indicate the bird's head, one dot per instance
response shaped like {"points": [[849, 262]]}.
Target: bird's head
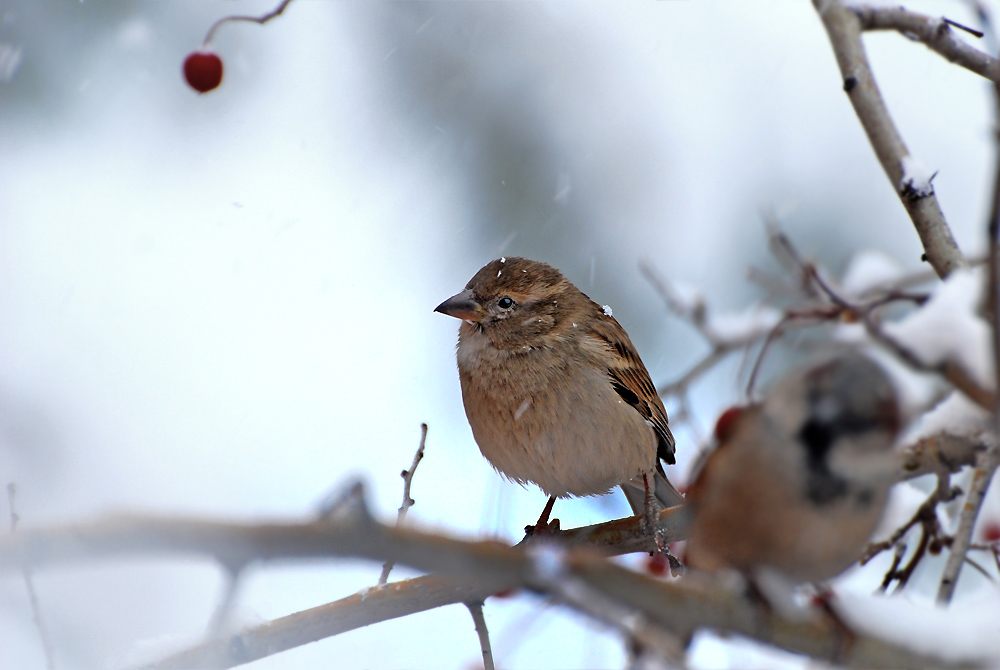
{"points": [[516, 302]]}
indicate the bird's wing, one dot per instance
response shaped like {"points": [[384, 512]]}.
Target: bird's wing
{"points": [[629, 378]]}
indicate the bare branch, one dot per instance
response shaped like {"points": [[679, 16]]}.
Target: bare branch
{"points": [[407, 476], [934, 32], [29, 585], [379, 603], [843, 27], [681, 606], [476, 610]]}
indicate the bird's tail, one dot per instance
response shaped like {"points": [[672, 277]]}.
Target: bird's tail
{"points": [[664, 492]]}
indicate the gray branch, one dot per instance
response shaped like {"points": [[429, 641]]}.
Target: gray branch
{"points": [[843, 26]]}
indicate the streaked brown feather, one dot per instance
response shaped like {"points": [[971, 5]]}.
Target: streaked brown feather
{"points": [[632, 382]]}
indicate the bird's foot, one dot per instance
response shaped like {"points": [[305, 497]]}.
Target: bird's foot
{"points": [[549, 528], [543, 526]]}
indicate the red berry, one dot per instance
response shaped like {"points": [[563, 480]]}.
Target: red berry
{"points": [[724, 424], [657, 564], [203, 70], [991, 531]]}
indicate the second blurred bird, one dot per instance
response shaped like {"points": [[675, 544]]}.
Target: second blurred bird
{"points": [[554, 390], [799, 482]]}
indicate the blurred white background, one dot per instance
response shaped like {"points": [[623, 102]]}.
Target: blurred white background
{"points": [[220, 304]]}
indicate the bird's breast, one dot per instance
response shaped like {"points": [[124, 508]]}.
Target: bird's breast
{"points": [[550, 417]]}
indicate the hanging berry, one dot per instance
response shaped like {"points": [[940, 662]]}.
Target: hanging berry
{"points": [[203, 70]]}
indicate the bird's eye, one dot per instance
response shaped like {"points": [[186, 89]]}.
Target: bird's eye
{"points": [[505, 303]]}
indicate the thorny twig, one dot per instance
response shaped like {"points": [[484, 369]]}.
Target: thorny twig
{"points": [[476, 610], [29, 584], [407, 476], [351, 531]]}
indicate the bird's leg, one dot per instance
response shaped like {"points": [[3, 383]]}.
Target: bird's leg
{"points": [[543, 525], [844, 635], [650, 507], [759, 602]]}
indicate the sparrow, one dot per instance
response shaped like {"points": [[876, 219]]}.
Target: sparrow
{"points": [[555, 391], [799, 481]]}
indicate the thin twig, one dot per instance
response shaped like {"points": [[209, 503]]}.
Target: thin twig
{"points": [[981, 478], [408, 502], [476, 610], [697, 315], [29, 584], [930, 536], [843, 26], [253, 19], [220, 618], [978, 568]]}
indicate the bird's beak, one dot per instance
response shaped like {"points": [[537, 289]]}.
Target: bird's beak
{"points": [[462, 306]]}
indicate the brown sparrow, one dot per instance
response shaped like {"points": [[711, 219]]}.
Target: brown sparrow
{"points": [[554, 390], [799, 481]]}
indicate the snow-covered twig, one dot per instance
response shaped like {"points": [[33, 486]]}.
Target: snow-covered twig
{"points": [[29, 584], [865, 312], [930, 536], [722, 342], [476, 610], [932, 31], [941, 453], [843, 26], [407, 476]]}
